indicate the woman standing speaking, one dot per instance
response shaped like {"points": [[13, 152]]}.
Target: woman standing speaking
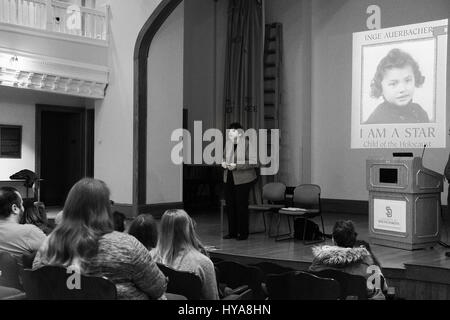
{"points": [[239, 177]]}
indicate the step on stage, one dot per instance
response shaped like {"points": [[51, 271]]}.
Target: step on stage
{"points": [[421, 274]]}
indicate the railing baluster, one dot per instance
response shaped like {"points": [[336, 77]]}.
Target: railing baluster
{"points": [[41, 14]]}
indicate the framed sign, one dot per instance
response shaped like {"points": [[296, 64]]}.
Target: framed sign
{"points": [[10, 142], [389, 215]]}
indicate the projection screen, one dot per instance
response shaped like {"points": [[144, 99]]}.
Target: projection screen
{"points": [[399, 87]]}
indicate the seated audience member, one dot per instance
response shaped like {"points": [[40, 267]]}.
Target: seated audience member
{"points": [[35, 214], [119, 221], [344, 256], [15, 238], [179, 248], [145, 229], [85, 239]]}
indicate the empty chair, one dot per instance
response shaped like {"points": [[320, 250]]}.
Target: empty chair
{"points": [[183, 283], [273, 198], [51, 283], [307, 205], [300, 285], [351, 285], [9, 271], [234, 275]]}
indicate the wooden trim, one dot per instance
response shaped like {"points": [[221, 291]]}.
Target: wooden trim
{"points": [[141, 50], [157, 210], [126, 209], [352, 206]]}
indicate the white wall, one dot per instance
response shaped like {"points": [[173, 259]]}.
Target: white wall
{"points": [[165, 110], [204, 61], [17, 107], [114, 114], [69, 50], [294, 15]]}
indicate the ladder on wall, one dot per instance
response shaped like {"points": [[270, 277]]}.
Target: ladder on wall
{"points": [[272, 79]]}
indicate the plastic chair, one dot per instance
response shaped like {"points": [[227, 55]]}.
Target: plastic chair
{"points": [[300, 285], [239, 278], [351, 285], [273, 198], [183, 283], [50, 283], [306, 200], [9, 271]]}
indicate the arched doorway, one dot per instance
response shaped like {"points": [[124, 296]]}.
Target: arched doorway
{"points": [[140, 104]]}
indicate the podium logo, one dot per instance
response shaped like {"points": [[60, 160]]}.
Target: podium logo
{"points": [[389, 212]]}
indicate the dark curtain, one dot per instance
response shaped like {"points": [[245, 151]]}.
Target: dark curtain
{"points": [[244, 64], [244, 74]]}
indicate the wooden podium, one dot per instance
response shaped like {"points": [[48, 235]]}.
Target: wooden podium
{"points": [[404, 203]]}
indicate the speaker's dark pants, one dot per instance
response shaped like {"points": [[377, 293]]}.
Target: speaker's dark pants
{"points": [[236, 197]]}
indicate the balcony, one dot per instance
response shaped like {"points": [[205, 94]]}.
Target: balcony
{"points": [[56, 19]]}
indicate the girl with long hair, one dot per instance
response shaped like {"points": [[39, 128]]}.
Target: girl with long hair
{"points": [[180, 248], [86, 239]]}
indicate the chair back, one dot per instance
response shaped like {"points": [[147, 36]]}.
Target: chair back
{"points": [[53, 283], [307, 286], [184, 283], [234, 275], [351, 285], [272, 268], [278, 285], [9, 271], [307, 196], [298, 285], [28, 259], [274, 192]]}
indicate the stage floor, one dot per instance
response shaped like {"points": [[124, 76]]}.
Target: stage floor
{"points": [[291, 252]]}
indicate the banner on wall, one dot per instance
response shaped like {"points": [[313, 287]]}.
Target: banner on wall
{"points": [[399, 87]]}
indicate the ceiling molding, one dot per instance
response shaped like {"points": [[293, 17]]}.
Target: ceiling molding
{"points": [[43, 73]]}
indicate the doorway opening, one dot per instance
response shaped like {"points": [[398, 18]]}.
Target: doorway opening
{"points": [[64, 150]]}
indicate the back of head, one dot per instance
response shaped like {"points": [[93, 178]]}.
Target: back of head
{"points": [[87, 217], [235, 126], [31, 214], [8, 197], [119, 221], [344, 234], [177, 233], [145, 229]]}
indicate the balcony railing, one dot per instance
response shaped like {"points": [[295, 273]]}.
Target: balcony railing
{"points": [[56, 16]]}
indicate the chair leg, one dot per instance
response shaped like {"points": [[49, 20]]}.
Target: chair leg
{"points": [[304, 229], [282, 237], [323, 227], [289, 224], [264, 221]]}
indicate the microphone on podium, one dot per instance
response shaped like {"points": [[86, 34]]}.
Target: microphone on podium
{"points": [[423, 152]]}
